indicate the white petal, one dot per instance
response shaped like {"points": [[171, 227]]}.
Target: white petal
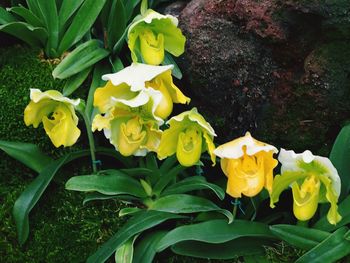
{"points": [[234, 149], [136, 75], [37, 95]]}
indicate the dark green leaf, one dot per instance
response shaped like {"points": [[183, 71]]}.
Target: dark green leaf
{"points": [[330, 250], [137, 172], [81, 24], [129, 8], [67, 9], [194, 183], [301, 237], [169, 60], [6, 17], [34, 8], [30, 196], [27, 153], [183, 203], [340, 157], [344, 211], [74, 82], [116, 23], [108, 183], [215, 232], [94, 196], [166, 178], [48, 9], [34, 36], [27, 15], [117, 65], [146, 249], [125, 252], [81, 58], [140, 222], [244, 246], [129, 211]]}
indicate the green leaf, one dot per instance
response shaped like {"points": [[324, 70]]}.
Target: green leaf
{"points": [[194, 183], [34, 36], [30, 196], [27, 153], [48, 9], [340, 157], [129, 7], [6, 17], [27, 15], [344, 211], [116, 23], [68, 8], [129, 211], [81, 58], [125, 252], [244, 246], [96, 196], [119, 44], [168, 164], [137, 172], [117, 65], [74, 82], [144, 7], [331, 249], [140, 222], [215, 232], [169, 60], [183, 203], [34, 8], [146, 249], [81, 24], [166, 178], [301, 237], [111, 182]]}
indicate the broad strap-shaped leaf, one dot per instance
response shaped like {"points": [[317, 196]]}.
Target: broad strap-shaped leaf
{"points": [[215, 232], [34, 36], [340, 156], [335, 247], [27, 15], [6, 17], [244, 246], [129, 211], [74, 82], [30, 196], [194, 183], [125, 252], [116, 23], [111, 182], [129, 7], [301, 237], [96, 196], [81, 24], [67, 9], [27, 153], [81, 58], [34, 8], [169, 60], [183, 203], [166, 178], [146, 249], [48, 9], [140, 222], [344, 211], [137, 172]]}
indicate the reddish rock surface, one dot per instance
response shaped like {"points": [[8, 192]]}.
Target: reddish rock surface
{"points": [[280, 70]]}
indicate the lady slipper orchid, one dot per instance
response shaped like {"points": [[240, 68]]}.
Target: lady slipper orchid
{"points": [[152, 34], [188, 136], [57, 114], [132, 129], [248, 164], [313, 180], [131, 86]]}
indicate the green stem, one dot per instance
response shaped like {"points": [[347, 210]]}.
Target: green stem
{"points": [[303, 223], [87, 121], [234, 212]]}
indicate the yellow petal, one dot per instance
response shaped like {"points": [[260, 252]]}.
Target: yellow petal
{"points": [[34, 112], [153, 138], [103, 97], [152, 47], [169, 139], [189, 147], [165, 106], [305, 198], [210, 146], [61, 128], [101, 122]]}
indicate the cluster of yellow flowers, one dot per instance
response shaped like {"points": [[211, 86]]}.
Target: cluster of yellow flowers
{"points": [[136, 102]]}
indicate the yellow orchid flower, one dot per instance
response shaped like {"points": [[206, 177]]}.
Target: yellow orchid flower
{"points": [[248, 164], [188, 136], [150, 35], [57, 114], [313, 180], [130, 87], [132, 130]]}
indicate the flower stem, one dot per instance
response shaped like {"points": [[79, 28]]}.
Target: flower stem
{"points": [[235, 205], [303, 223]]}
